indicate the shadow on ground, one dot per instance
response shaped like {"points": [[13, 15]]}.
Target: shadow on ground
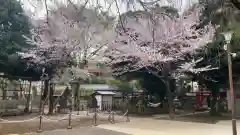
{"points": [[198, 118]]}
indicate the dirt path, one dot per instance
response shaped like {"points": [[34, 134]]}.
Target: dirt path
{"points": [[149, 126], [30, 123]]}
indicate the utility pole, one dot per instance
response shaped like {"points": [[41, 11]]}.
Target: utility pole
{"points": [[233, 97], [228, 37]]}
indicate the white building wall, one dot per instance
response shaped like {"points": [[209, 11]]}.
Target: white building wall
{"points": [[99, 101]]}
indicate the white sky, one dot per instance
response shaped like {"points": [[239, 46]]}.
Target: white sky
{"points": [[36, 6]]}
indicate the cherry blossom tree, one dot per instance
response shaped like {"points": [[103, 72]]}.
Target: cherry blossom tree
{"points": [[63, 35], [159, 39], [154, 41], [68, 34]]}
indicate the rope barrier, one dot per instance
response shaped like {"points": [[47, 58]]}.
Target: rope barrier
{"points": [[76, 114], [65, 117], [79, 115], [55, 120], [111, 116], [44, 117], [112, 112], [19, 121], [125, 113], [154, 104], [89, 114]]}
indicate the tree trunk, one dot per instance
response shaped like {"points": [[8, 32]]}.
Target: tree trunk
{"points": [[166, 71], [3, 90], [170, 99], [76, 96], [48, 95], [51, 99], [45, 90], [236, 3], [82, 66], [215, 111], [4, 94], [29, 98]]}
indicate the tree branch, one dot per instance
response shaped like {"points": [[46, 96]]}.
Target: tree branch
{"points": [[236, 3]]}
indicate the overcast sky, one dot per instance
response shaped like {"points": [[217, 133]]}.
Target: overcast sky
{"points": [[38, 10]]}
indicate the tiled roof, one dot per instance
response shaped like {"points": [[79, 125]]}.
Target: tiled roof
{"points": [[98, 87], [105, 93]]}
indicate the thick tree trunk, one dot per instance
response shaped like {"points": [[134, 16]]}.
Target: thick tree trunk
{"points": [[4, 94], [3, 90], [166, 71], [29, 98], [82, 65], [76, 96], [48, 95], [215, 111], [51, 99], [45, 90], [170, 98], [44, 95]]}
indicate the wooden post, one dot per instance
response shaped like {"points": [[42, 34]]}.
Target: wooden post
{"points": [[29, 97], [40, 110], [70, 112], [113, 118], [127, 115], [95, 118]]}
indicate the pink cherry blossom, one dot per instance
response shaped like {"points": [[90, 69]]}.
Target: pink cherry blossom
{"points": [[154, 38], [68, 33]]}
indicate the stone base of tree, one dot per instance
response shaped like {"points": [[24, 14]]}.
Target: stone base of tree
{"points": [[149, 110]]}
